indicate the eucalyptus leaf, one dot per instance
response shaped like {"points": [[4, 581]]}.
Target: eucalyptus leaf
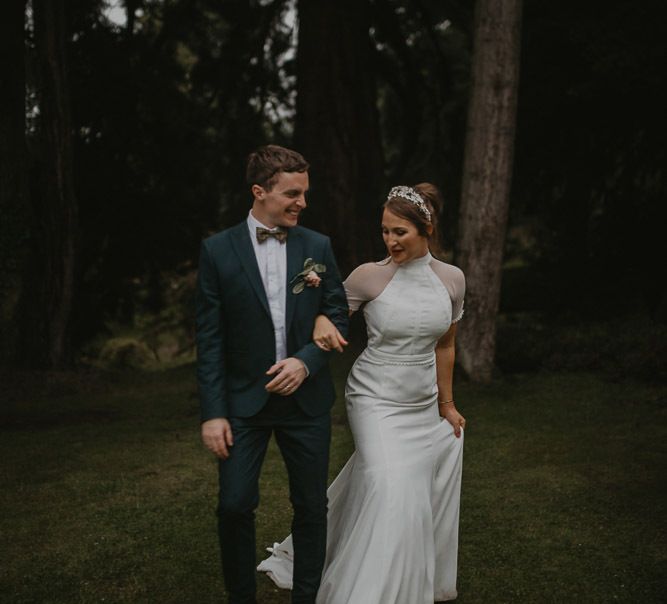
{"points": [[299, 280]]}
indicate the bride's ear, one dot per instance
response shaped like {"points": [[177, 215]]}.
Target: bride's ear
{"points": [[429, 229]]}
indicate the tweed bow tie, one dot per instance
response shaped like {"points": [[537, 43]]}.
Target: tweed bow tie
{"points": [[263, 234]]}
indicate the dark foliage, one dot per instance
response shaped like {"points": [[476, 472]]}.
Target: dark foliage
{"points": [[165, 108], [589, 174]]}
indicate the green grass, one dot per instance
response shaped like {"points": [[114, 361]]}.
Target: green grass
{"points": [[108, 496]]}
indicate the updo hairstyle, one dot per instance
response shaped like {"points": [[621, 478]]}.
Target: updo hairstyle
{"points": [[409, 211]]}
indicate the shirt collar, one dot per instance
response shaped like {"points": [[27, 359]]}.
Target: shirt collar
{"points": [[253, 224]]}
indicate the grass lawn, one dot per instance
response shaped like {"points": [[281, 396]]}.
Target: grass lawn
{"points": [[108, 496]]}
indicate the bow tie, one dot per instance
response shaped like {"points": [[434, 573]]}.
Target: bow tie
{"points": [[263, 234]]}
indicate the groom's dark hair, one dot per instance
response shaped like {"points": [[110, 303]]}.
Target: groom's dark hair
{"points": [[264, 164]]}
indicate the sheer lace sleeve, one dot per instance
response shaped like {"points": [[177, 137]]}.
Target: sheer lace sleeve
{"points": [[367, 281], [453, 279]]}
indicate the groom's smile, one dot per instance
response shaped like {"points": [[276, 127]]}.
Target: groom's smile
{"points": [[281, 205]]}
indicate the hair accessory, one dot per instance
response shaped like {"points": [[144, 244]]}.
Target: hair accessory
{"points": [[412, 196]]}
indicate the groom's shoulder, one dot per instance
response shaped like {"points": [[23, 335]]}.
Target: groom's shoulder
{"points": [[223, 237]]}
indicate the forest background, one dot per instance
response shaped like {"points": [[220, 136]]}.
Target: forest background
{"points": [[124, 128], [114, 168]]}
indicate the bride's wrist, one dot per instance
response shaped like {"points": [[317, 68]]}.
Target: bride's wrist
{"points": [[447, 402]]}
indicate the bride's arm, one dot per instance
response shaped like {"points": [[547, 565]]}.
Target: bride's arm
{"points": [[444, 361], [360, 287], [326, 335]]}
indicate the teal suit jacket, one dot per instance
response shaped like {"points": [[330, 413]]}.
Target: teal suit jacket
{"points": [[235, 336]]}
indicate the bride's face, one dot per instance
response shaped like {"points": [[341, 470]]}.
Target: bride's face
{"points": [[403, 241]]}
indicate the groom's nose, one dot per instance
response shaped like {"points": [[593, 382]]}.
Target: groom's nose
{"points": [[301, 201]]}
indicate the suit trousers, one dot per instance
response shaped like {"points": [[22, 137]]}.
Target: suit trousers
{"points": [[304, 444]]}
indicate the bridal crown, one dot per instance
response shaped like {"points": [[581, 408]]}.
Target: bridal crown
{"points": [[412, 196]]}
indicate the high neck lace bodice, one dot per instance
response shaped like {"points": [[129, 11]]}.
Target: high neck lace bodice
{"points": [[369, 280], [408, 305], [420, 261]]}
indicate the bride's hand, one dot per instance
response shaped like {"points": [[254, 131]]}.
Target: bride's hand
{"points": [[449, 412], [326, 336]]}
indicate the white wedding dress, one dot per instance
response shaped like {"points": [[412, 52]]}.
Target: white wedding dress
{"points": [[392, 534]]}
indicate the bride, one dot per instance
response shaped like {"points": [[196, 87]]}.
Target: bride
{"points": [[393, 518]]}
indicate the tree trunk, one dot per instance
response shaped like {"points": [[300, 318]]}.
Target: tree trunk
{"points": [[131, 7], [13, 170], [51, 276], [487, 175], [337, 126]]}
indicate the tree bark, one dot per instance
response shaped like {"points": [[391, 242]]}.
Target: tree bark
{"points": [[48, 297], [337, 126], [131, 7], [13, 169], [487, 175]]}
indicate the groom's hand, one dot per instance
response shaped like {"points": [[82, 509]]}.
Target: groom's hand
{"points": [[217, 436], [289, 373]]}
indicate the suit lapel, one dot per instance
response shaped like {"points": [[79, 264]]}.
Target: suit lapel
{"points": [[244, 250], [294, 265]]}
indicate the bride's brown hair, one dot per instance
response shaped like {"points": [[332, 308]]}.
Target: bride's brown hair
{"points": [[409, 211]]}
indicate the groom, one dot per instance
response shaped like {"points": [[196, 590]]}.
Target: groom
{"points": [[259, 371]]}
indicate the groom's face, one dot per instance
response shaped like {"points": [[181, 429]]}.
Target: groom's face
{"points": [[282, 204]]}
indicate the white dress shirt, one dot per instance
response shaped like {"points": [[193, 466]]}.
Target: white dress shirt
{"points": [[271, 258]]}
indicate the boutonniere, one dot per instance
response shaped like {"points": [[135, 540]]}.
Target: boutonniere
{"points": [[308, 277]]}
